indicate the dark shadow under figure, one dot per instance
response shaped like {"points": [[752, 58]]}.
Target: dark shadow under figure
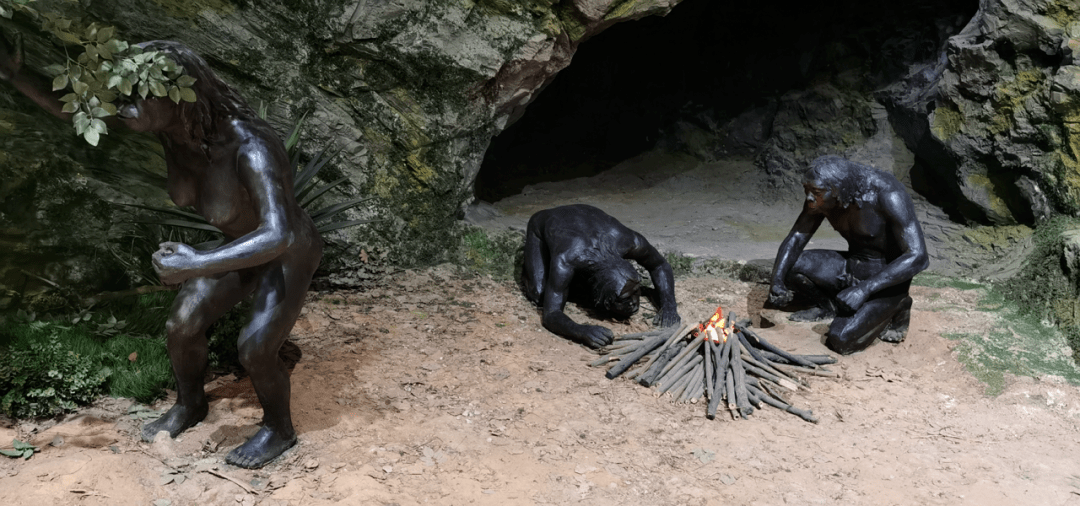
{"points": [[579, 248], [863, 290], [232, 168]]}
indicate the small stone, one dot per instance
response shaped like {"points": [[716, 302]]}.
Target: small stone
{"points": [[311, 464]]}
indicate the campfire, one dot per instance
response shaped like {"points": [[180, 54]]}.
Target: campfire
{"points": [[719, 360]]}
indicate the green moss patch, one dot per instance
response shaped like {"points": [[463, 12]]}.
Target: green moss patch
{"points": [[1021, 344], [1046, 287]]}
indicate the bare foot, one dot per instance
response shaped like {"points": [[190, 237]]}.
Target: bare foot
{"points": [[263, 447], [176, 420], [893, 336]]}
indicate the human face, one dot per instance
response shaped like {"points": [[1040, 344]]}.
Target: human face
{"points": [[154, 114], [819, 199]]}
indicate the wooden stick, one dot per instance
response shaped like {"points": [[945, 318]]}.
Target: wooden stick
{"points": [[804, 414], [674, 378], [709, 363], [603, 360], [813, 359], [773, 389], [666, 353], [787, 368], [690, 347], [630, 359], [241, 484], [730, 381], [644, 365], [640, 335], [761, 343], [741, 403], [756, 371], [721, 370], [694, 375], [766, 365]]}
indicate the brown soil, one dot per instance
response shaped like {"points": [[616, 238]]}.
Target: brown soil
{"points": [[442, 388]]}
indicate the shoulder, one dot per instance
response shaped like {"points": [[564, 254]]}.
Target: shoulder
{"points": [[255, 143]]}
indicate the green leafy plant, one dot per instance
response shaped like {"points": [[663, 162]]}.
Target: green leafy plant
{"points": [[22, 450], [41, 376], [52, 366], [108, 71]]}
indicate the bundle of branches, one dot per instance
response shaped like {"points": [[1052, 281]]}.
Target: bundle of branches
{"points": [[719, 360]]}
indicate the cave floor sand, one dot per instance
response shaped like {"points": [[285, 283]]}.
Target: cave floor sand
{"points": [[441, 387]]}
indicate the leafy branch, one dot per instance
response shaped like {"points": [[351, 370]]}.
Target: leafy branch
{"points": [[108, 71]]}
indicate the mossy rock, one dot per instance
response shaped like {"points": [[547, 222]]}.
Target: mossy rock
{"points": [[1048, 286]]}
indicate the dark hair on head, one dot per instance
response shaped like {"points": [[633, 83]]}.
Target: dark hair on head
{"points": [[606, 283], [846, 177], [214, 99]]}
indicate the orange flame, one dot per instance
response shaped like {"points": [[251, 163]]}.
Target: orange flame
{"points": [[717, 324]]}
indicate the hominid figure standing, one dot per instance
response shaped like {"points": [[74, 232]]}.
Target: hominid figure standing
{"points": [[232, 168]]}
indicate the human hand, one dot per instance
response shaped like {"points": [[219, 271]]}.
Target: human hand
{"points": [[595, 336], [174, 262], [780, 296], [667, 317], [11, 56], [851, 299]]}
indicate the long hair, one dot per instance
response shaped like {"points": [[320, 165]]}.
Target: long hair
{"points": [[850, 180], [214, 99]]}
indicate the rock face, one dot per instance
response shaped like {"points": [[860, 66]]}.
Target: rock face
{"points": [[1002, 138], [411, 90]]}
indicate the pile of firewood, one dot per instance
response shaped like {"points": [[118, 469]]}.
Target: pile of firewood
{"points": [[719, 360]]}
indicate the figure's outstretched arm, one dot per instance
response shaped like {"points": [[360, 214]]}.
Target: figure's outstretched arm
{"points": [[255, 165], [557, 285], [30, 84], [662, 277], [805, 225], [898, 212]]}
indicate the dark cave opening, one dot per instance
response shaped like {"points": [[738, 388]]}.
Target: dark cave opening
{"points": [[625, 85]]}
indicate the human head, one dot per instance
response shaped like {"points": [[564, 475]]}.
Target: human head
{"points": [[214, 99], [837, 177], [616, 289]]}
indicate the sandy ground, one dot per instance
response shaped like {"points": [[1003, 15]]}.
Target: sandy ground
{"points": [[442, 388]]}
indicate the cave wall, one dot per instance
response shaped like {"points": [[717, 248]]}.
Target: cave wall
{"points": [[414, 90], [411, 90], [994, 119]]}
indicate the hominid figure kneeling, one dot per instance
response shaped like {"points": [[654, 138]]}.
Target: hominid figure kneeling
{"points": [[864, 289]]}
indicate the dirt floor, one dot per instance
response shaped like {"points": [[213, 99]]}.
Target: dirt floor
{"points": [[441, 387]]}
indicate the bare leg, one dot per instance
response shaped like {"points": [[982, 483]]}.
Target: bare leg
{"points": [[817, 277], [848, 334], [278, 300], [201, 301]]}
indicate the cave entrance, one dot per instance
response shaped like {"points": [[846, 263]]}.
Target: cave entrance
{"points": [[706, 61]]}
